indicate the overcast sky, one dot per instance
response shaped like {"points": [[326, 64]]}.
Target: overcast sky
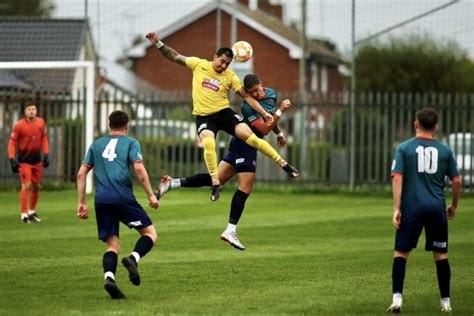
{"points": [[116, 22]]}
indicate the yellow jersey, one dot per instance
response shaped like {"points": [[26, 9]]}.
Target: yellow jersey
{"points": [[210, 88]]}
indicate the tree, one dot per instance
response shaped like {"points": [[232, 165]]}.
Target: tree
{"points": [[41, 8], [414, 64]]}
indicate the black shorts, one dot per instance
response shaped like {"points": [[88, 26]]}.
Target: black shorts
{"points": [[109, 216], [225, 120], [436, 230], [242, 156]]}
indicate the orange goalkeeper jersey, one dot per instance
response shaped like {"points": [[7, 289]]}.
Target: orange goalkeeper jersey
{"points": [[31, 138]]}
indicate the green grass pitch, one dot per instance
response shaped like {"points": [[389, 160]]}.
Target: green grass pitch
{"points": [[327, 254]]}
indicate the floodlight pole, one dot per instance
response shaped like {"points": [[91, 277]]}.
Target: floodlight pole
{"points": [[303, 94], [233, 24], [218, 24], [353, 105], [90, 79]]}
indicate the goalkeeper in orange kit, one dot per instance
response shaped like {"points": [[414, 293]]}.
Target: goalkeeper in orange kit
{"points": [[28, 153]]}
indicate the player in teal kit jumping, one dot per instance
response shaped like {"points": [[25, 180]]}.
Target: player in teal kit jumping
{"points": [[110, 157], [241, 159], [419, 169]]}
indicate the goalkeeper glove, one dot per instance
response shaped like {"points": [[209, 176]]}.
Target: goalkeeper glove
{"points": [[45, 161], [15, 166]]}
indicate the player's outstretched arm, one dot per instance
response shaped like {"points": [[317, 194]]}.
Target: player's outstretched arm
{"points": [[166, 51], [255, 105], [456, 195], [265, 128], [82, 211], [397, 182], [142, 175], [281, 140]]}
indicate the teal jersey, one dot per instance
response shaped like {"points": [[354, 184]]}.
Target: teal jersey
{"points": [[111, 158], [269, 104], [424, 164]]}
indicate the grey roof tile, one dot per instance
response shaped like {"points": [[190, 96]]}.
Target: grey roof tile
{"points": [[37, 39]]}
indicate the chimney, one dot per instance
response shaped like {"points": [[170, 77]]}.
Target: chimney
{"points": [[275, 10], [253, 5]]}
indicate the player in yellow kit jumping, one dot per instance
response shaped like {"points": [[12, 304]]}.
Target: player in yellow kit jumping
{"points": [[212, 81]]}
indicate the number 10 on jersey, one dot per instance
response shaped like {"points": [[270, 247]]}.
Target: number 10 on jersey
{"points": [[427, 159]]}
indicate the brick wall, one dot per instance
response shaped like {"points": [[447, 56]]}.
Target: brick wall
{"points": [[271, 60]]}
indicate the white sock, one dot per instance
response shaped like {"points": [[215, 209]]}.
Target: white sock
{"points": [[30, 212], [397, 297], [446, 300], [109, 274], [175, 183], [136, 256], [231, 228], [24, 215]]}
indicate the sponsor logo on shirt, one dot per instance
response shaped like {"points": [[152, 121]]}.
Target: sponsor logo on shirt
{"points": [[212, 84]]}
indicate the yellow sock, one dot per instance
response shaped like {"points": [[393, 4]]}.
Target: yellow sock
{"points": [[263, 147], [210, 156]]}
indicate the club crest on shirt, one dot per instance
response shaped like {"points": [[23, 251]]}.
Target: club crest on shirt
{"points": [[212, 84]]}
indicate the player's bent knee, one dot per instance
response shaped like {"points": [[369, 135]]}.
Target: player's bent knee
{"points": [[243, 131], [26, 186], [246, 189], [150, 231], [209, 143]]}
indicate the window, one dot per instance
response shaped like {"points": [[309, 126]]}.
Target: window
{"points": [[324, 78], [314, 76]]}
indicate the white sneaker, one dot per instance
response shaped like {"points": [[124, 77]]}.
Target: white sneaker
{"points": [[232, 239], [33, 216], [164, 187], [446, 305], [396, 306], [25, 219]]}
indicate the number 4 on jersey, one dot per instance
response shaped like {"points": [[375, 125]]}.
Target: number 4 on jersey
{"points": [[109, 151]]}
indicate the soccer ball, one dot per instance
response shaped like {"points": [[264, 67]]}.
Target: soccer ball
{"points": [[243, 51]]}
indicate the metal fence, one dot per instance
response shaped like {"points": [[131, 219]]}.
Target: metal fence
{"points": [[166, 130]]}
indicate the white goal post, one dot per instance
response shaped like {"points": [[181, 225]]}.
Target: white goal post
{"points": [[89, 67]]}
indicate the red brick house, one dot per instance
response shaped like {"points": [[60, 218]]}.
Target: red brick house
{"points": [[276, 49]]}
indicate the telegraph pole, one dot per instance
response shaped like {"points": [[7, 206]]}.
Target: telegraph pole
{"points": [[303, 95], [352, 107]]}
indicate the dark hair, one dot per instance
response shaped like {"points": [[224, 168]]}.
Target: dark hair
{"points": [[27, 104], [428, 118], [118, 119], [251, 80], [225, 51]]}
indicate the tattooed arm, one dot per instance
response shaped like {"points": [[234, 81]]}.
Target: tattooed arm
{"points": [[166, 51]]}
